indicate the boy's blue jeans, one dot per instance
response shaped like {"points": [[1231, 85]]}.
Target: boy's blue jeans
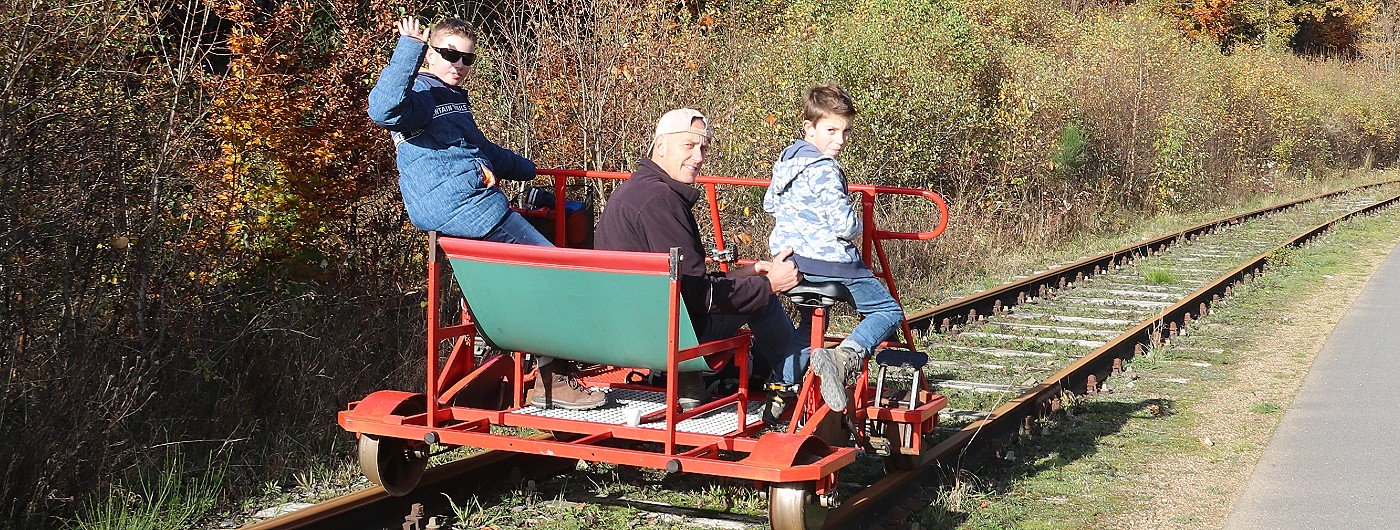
{"points": [[515, 229], [775, 340], [882, 313]]}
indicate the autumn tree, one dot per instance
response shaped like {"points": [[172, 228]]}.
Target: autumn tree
{"points": [[297, 155], [1305, 26]]}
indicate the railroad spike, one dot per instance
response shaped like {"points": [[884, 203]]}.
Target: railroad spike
{"points": [[1138, 350], [1091, 385], [1205, 310], [1117, 365], [1172, 330], [947, 325], [415, 515], [996, 307]]}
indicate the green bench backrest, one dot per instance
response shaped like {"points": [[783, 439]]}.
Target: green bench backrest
{"points": [[592, 314]]}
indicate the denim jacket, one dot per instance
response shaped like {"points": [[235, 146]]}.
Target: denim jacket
{"points": [[447, 169], [813, 216]]}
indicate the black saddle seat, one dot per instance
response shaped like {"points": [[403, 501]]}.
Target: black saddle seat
{"points": [[819, 294], [904, 358]]}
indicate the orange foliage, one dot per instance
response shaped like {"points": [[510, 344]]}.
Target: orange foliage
{"points": [[1206, 18], [296, 150]]}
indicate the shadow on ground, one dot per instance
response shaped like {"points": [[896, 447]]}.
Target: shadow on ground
{"points": [[1059, 441]]}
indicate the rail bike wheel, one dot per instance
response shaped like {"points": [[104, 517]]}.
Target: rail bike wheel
{"points": [[794, 506], [392, 463], [395, 463]]}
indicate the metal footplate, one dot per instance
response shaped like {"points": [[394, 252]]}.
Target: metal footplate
{"points": [[642, 403]]}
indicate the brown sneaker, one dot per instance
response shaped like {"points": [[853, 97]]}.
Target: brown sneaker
{"points": [[562, 390]]}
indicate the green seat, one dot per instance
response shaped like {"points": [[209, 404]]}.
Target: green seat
{"points": [[603, 307]]}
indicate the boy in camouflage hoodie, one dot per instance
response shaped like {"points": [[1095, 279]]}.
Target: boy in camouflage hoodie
{"points": [[812, 208]]}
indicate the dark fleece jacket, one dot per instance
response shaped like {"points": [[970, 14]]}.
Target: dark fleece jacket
{"points": [[651, 212]]}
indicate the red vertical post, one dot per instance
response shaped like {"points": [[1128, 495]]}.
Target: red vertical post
{"points": [[673, 320], [433, 270], [712, 198], [808, 397], [867, 219], [561, 238], [742, 357]]}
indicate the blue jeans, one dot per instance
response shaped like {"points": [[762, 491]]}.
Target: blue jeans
{"points": [[873, 301], [775, 340], [515, 229]]}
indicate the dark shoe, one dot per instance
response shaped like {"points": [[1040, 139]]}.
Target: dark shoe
{"points": [[692, 390], [562, 390], [779, 399], [835, 368]]}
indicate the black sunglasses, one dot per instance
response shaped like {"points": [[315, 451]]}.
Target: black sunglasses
{"points": [[453, 56]]}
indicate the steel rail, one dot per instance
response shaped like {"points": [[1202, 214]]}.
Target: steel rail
{"points": [[328, 514], [1081, 376]]}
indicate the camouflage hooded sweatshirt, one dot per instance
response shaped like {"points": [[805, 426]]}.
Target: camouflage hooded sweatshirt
{"points": [[812, 209]]}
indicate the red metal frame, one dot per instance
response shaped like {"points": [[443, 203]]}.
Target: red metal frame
{"points": [[462, 425], [772, 457]]}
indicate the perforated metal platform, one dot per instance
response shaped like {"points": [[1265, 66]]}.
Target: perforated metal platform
{"points": [[716, 422]]}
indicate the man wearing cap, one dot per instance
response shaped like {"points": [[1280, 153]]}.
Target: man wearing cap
{"points": [[652, 212]]}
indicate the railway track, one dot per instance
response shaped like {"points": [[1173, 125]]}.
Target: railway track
{"points": [[1004, 357]]}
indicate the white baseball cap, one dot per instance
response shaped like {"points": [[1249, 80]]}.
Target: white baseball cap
{"points": [[679, 121]]}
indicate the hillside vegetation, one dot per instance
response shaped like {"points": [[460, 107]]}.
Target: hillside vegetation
{"points": [[203, 255]]}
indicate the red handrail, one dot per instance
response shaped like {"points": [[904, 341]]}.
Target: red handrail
{"points": [[560, 175]]}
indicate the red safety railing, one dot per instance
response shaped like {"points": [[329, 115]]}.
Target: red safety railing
{"points": [[872, 240]]}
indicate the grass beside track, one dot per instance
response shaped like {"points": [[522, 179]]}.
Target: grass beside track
{"points": [[1171, 445]]}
